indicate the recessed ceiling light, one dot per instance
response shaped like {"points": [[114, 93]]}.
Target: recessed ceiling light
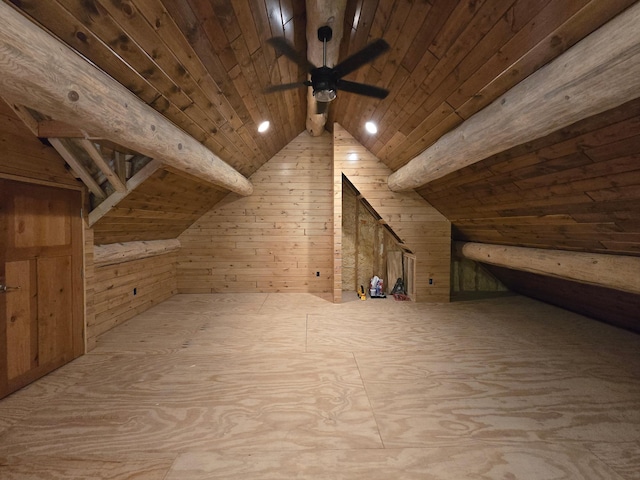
{"points": [[353, 156], [264, 126], [371, 127]]}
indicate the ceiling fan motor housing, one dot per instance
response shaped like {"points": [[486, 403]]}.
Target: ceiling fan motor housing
{"points": [[324, 84]]}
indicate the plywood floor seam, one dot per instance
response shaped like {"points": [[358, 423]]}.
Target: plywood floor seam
{"points": [[271, 386]]}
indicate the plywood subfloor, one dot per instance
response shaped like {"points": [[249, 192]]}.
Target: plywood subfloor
{"points": [[273, 386]]}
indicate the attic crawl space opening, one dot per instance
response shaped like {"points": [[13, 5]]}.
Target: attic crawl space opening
{"points": [[370, 246]]}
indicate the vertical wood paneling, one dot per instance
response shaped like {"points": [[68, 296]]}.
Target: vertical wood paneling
{"points": [[422, 228], [273, 241]]}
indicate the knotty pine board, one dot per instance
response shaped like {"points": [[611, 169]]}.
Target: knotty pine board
{"points": [[276, 239]]}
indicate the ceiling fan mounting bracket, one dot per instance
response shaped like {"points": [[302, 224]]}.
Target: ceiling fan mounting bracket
{"points": [[325, 33]]}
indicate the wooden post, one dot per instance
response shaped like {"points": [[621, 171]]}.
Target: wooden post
{"points": [[619, 272], [42, 73], [599, 73]]}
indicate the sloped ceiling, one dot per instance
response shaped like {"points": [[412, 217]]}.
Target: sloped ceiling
{"points": [[204, 63]]}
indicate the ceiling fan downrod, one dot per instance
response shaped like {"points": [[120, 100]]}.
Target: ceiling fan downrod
{"points": [[325, 91]]}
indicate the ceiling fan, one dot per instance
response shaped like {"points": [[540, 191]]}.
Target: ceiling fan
{"points": [[326, 81]]}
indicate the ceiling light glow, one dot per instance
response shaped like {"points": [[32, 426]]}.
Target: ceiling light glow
{"points": [[353, 157], [371, 127], [264, 126]]}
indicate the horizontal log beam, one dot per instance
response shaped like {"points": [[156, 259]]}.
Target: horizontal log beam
{"points": [[39, 71], [619, 272], [113, 253], [599, 73]]}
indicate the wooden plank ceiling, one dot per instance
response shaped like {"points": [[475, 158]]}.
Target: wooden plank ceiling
{"points": [[576, 189], [204, 64]]}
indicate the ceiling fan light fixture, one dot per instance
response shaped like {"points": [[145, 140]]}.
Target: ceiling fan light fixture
{"points": [[264, 126], [325, 95]]}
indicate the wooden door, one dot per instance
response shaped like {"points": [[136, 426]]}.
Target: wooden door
{"points": [[42, 307]]}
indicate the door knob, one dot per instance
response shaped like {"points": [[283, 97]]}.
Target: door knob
{"points": [[6, 288]]}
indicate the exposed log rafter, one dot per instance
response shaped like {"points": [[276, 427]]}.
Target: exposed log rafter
{"points": [[600, 72], [76, 165], [126, 252], [40, 72], [104, 167], [619, 272]]}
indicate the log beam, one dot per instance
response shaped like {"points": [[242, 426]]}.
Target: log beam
{"points": [[619, 272], [599, 73], [320, 13], [39, 71], [76, 165], [113, 253], [134, 182], [102, 164]]}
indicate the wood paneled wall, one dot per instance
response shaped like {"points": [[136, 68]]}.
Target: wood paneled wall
{"points": [[276, 239], [108, 290], [421, 227], [161, 208], [24, 158], [154, 280]]}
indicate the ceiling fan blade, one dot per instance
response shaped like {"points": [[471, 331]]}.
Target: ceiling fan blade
{"points": [[284, 86], [362, 89], [358, 59], [321, 107], [281, 45]]}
